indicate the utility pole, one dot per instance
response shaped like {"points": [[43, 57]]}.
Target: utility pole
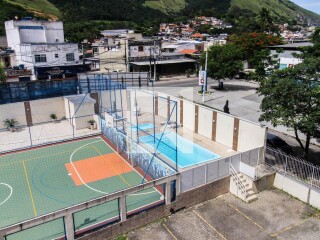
{"points": [[155, 61], [206, 69], [150, 70]]}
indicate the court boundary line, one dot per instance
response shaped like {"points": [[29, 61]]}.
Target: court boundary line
{"points": [[10, 194], [35, 158], [49, 144], [29, 188], [94, 189], [128, 164]]}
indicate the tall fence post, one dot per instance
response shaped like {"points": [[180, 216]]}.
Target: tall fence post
{"points": [[285, 166], [168, 192], [30, 136], [69, 226], [123, 208], [312, 177]]}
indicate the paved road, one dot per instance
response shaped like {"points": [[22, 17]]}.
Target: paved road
{"points": [[243, 102]]}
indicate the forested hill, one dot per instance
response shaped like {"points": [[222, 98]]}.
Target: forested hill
{"points": [[139, 10]]}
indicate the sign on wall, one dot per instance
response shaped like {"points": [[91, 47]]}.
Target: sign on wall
{"points": [[202, 78]]}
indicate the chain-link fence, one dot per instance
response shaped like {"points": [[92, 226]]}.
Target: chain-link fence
{"points": [[293, 167], [42, 133]]}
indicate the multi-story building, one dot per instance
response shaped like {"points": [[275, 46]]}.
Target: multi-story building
{"points": [[39, 46]]}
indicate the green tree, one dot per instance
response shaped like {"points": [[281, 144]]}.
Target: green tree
{"points": [[3, 77], [292, 99], [224, 61], [265, 21]]}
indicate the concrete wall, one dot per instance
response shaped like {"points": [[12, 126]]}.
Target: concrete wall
{"points": [[298, 190], [13, 110], [225, 125], [188, 115], [84, 113], [41, 109], [250, 136], [205, 122]]}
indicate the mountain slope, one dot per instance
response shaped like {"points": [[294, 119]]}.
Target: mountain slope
{"points": [[137, 10], [43, 8], [281, 9]]}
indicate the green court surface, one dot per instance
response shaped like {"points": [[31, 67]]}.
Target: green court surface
{"points": [[36, 182]]}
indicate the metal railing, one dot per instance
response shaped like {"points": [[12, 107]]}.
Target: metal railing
{"points": [[293, 167], [240, 186]]}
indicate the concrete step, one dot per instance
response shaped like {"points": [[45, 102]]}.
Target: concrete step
{"points": [[251, 198]]}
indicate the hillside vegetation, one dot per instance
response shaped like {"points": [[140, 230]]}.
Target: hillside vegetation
{"points": [[140, 10], [39, 7]]}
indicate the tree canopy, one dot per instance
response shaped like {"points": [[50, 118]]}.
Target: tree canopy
{"points": [[224, 61], [292, 99], [3, 77]]}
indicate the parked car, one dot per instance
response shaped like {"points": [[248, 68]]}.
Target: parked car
{"points": [[277, 143]]}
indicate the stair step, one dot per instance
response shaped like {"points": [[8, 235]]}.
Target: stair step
{"points": [[251, 198]]}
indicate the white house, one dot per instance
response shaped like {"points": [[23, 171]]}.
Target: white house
{"points": [[40, 47]]}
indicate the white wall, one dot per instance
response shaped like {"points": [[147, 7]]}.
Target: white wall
{"points": [[13, 111], [41, 109], [162, 105], [51, 50], [205, 122], [288, 61], [86, 110], [298, 190], [224, 132], [250, 136], [188, 115]]}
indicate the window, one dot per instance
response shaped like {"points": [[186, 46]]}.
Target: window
{"points": [[56, 55], [70, 56], [40, 58], [140, 48]]}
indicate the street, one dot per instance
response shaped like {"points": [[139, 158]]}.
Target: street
{"points": [[243, 100]]}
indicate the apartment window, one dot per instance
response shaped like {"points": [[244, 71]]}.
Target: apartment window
{"points": [[140, 48], [70, 56], [40, 58], [56, 55]]}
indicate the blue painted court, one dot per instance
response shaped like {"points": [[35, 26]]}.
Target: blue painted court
{"points": [[177, 148]]}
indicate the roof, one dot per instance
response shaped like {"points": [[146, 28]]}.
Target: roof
{"points": [[189, 51], [197, 35], [285, 53], [172, 61], [82, 98], [293, 45]]}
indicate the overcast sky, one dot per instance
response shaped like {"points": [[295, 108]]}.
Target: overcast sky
{"points": [[312, 5]]}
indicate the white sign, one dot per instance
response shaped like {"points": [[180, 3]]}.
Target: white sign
{"points": [[202, 78]]}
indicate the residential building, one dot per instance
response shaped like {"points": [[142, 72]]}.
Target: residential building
{"points": [[109, 54], [39, 46], [286, 58], [147, 55]]}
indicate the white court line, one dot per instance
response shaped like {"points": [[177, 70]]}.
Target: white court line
{"points": [[133, 169], [11, 191], [94, 189]]}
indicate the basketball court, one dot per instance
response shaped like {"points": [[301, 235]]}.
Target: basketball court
{"points": [[43, 180]]}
